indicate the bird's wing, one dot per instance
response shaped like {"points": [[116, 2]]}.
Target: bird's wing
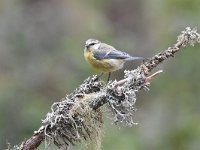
{"points": [[108, 52]]}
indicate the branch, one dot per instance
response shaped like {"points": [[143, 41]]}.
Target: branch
{"points": [[78, 116]]}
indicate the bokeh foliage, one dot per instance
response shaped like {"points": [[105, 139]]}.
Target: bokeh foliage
{"points": [[41, 60]]}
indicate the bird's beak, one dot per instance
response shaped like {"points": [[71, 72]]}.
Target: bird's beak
{"points": [[87, 46]]}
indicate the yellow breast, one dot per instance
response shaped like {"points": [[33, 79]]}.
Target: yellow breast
{"points": [[104, 65]]}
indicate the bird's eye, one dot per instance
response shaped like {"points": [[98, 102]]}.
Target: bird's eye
{"points": [[92, 44]]}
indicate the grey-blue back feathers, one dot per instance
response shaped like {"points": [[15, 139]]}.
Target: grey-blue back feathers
{"points": [[114, 54], [106, 51]]}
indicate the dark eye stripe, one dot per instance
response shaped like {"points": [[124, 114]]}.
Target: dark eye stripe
{"points": [[92, 43]]}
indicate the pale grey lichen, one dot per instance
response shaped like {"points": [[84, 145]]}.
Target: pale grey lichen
{"points": [[189, 35], [122, 98], [79, 116], [72, 119]]}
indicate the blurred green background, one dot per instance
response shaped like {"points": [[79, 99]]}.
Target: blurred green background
{"points": [[41, 60]]}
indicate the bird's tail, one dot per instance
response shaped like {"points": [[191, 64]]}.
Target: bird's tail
{"points": [[134, 58]]}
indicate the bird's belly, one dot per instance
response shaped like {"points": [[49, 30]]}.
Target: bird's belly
{"points": [[105, 65], [116, 63]]}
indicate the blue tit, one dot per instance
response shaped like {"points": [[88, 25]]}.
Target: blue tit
{"points": [[104, 57]]}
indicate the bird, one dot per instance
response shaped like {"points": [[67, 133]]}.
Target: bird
{"points": [[104, 57]]}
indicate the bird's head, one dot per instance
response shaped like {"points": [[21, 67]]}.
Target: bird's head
{"points": [[92, 44]]}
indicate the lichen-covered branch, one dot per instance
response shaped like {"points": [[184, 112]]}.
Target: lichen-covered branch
{"points": [[188, 36], [78, 117]]}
